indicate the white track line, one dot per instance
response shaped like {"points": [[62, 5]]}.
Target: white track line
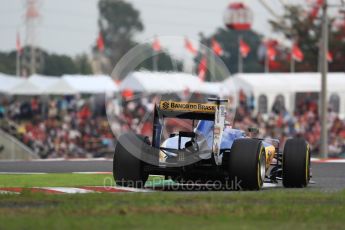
{"points": [[62, 159], [270, 185], [92, 172], [335, 161], [67, 190], [24, 173], [317, 160], [74, 159], [71, 190], [134, 189], [3, 192], [42, 173]]}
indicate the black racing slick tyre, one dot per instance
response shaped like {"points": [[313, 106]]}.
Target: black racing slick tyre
{"points": [[247, 164], [128, 169], [296, 163]]}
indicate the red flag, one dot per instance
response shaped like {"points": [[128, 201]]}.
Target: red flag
{"points": [[271, 51], [314, 12], [100, 42], [18, 44], [217, 49], [127, 93], [316, 8], [244, 48], [320, 3], [275, 65], [202, 68], [189, 46], [156, 45], [329, 57], [297, 53]]}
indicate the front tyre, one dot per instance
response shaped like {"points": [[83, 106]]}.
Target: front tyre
{"points": [[128, 169], [296, 163], [246, 164]]}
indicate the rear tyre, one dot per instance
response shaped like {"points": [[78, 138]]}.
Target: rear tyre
{"points": [[246, 164], [128, 169], [296, 163]]}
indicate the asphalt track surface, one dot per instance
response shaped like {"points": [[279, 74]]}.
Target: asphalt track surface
{"points": [[327, 176]]}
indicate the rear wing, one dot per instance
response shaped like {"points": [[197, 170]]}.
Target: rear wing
{"points": [[186, 110]]}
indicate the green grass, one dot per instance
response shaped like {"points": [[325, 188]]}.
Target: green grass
{"points": [[272, 208], [55, 179], [282, 209], [61, 180]]}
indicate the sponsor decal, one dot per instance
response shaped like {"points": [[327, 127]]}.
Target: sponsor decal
{"points": [[185, 106], [165, 105], [270, 151]]}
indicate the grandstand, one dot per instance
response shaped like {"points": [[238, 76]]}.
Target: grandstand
{"points": [[65, 117]]}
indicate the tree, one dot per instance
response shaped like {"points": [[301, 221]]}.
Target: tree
{"points": [[8, 62], [82, 64], [57, 65], [165, 62], [118, 23], [299, 27], [48, 64]]}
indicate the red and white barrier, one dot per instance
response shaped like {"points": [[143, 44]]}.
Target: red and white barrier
{"points": [[72, 190]]}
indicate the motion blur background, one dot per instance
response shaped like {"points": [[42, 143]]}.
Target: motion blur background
{"points": [[56, 59]]}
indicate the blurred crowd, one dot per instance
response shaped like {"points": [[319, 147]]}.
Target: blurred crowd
{"points": [[278, 123], [74, 127], [305, 122], [65, 127]]}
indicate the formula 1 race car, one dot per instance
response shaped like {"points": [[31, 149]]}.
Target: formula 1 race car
{"points": [[210, 151]]}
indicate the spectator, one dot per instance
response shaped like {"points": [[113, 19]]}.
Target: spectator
{"points": [[72, 129], [2, 111], [35, 106]]}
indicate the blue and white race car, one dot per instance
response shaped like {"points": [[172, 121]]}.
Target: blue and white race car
{"points": [[211, 151]]}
